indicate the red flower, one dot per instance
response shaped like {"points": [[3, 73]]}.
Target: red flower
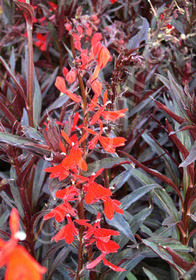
{"points": [[106, 262], [60, 211], [96, 86], [113, 1], [96, 38], [109, 144], [112, 266], [60, 84], [101, 237], [68, 26], [103, 57], [169, 26], [107, 115], [68, 232], [20, 264], [69, 194], [41, 41], [65, 71], [75, 160], [95, 192], [111, 206], [71, 75], [57, 171], [71, 162]]}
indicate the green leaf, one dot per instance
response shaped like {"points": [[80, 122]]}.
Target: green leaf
{"points": [[58, 103], [142, 177], [49, 81], [150, 275], [143, 104], [165, 202], [138, 219], [38, 181], [4, 217], [25, 143], [58, 259], [37, 100], [128, 200], [162, 253], [190, 158], [20, 89], [122, 225], [108, 162], [129, 265], [131, 276], [121, 179], [16, 194], [53, 34], [171, 168]]}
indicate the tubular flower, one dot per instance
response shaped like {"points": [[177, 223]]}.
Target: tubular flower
{"points": [[108, 144], [94, 192], [68, 232], [101, 237], [71, 162], [60, 84], [107, 115]]}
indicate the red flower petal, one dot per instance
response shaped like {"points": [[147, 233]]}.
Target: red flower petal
{"points": [[112, 266], [103, 57], [101, 233], [96, 192], [57, 171], [97, 115], [111, 206], [21, 265], [60, 84], [96, 261], [67, 232], [71, 76], [73, 96], [96, 38], [65, 71], [109, 144], [58, 213], [70, 193], [107, 247], [96, 86], [14, 221], [108, 209], [113, 115], [65, 136], [93, 142]]}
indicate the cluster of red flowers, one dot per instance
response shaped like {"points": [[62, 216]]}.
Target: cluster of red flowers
{"points": [[88, 61]]}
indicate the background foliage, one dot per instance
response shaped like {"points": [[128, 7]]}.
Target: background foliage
{"points": [[152, 74]]}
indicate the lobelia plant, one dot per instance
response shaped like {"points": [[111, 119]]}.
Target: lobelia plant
{"points": [[77, 146], [85, 133]]}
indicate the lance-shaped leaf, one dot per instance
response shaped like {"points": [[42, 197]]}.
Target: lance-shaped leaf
{"points": [[25, 143], [162, 253], [190, 158], [155, 173], [20, 89], [182, 149], [169, 112]]}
